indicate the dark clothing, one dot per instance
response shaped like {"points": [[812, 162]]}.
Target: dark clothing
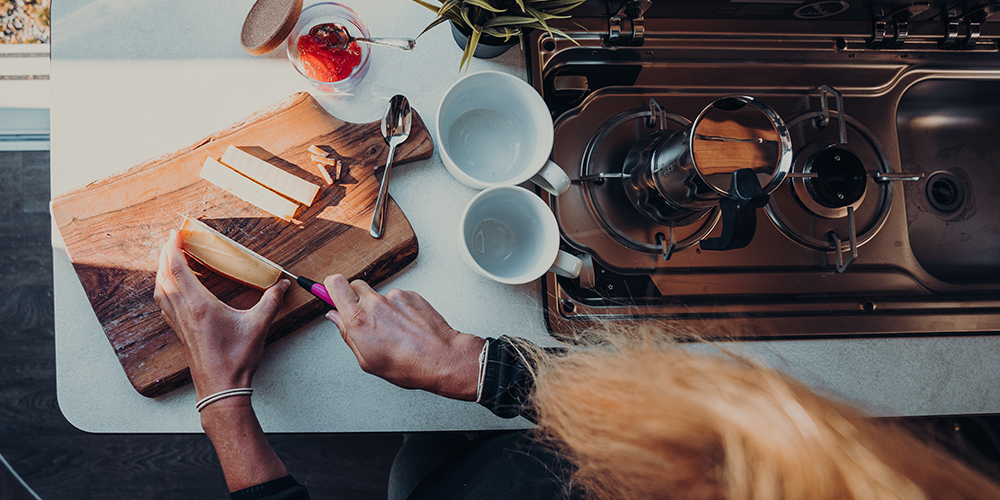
{"points": [[496, 465], [508, 381], [285, 488]]}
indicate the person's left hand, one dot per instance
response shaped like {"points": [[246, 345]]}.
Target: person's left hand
{"points": [[223, 345]]}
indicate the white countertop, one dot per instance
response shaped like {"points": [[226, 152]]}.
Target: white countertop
{"points": [[133, 80]]}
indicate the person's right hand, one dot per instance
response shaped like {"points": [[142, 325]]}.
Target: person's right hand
{"points": [[223, 345], [401, 338]]}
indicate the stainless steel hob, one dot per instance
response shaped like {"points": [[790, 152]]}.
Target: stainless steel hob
{"points": [[887, 221]]}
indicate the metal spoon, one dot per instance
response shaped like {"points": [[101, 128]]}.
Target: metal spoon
{"points": [[337, 36], [395, 128]]}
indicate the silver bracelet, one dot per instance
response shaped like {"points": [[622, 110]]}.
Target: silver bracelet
{"points": [[207, 400], [482, 371]]}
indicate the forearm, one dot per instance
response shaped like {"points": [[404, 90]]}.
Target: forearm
{"points": [[247, 458]]}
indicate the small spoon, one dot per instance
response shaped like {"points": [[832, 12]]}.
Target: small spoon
{"points": [[337, 36], [395, 128]]}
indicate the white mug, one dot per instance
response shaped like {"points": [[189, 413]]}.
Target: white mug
{"points": [[495, 130], [507, 233]]}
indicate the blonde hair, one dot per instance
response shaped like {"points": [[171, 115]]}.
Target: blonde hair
{"points": [[639, 417]]}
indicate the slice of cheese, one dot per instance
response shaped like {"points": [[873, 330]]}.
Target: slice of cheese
{"points": [[324, 160], [226, 258], [324, 173], [247, 190], [270, 176]]}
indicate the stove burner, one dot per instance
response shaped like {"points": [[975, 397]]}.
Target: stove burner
{"points": [[829, 179], [602, 161], [842, 178], [642, 190]]}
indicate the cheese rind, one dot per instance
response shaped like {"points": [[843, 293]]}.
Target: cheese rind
{"points": [[249, 191], [268, 175], [225, 258]]}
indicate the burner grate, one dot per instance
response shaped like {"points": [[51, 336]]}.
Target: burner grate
{"points": [[848, 217], [606, 195]]}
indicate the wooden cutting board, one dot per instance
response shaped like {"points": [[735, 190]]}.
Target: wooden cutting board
{"points": [[114, 228]]}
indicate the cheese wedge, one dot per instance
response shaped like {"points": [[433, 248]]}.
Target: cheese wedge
{"points": [[225, 258], [247, 190], [268, 175]]}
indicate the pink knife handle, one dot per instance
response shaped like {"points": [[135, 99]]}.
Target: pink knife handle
{"points": [[320, 291], [316, 289]]}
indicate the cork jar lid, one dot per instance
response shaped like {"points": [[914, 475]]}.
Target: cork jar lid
{"points": [[268, 24]]}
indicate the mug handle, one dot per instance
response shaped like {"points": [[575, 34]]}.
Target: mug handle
{"points": [[552, 178], [567, 265]]}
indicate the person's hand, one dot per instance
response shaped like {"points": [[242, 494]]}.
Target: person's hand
{"points": [[402, 339], [223, 345]]}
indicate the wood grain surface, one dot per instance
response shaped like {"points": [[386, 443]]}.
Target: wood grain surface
{"points": [[114, 228]]}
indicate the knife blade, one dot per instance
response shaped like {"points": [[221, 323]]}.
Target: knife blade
{"points": [[316, 289]]}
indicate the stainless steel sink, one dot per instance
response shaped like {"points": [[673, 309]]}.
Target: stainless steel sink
{"points": [[949, 130]]}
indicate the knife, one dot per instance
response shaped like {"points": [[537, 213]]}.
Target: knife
{"points": [[317, 289]]}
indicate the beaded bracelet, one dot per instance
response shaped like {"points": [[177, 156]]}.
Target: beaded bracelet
{"points": [[207, 400]]}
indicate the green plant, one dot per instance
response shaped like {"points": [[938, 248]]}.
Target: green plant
{"points": [[499, 19]]}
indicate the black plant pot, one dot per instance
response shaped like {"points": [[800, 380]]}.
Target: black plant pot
{"points": [[487, 48]]}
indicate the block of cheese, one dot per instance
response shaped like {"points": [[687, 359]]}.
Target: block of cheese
{"points": [[268, 175], [226, 258], [247, 190]]}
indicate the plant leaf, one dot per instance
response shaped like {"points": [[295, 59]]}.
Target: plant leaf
{"points": [[470, 48], [465, 18], [465, 54], [474, 39], [564, 35], [508, 21], [561, 10], [425, 4], [448, 5], [541, 20], [506, 33], [483, 4], [520, 3], [433, 23], [553, 32], [453, 15]]}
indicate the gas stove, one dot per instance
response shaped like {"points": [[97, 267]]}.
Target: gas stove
{"points": [[886, 219]]}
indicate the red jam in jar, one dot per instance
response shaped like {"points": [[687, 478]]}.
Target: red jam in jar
{"points": [[320, 58]]}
